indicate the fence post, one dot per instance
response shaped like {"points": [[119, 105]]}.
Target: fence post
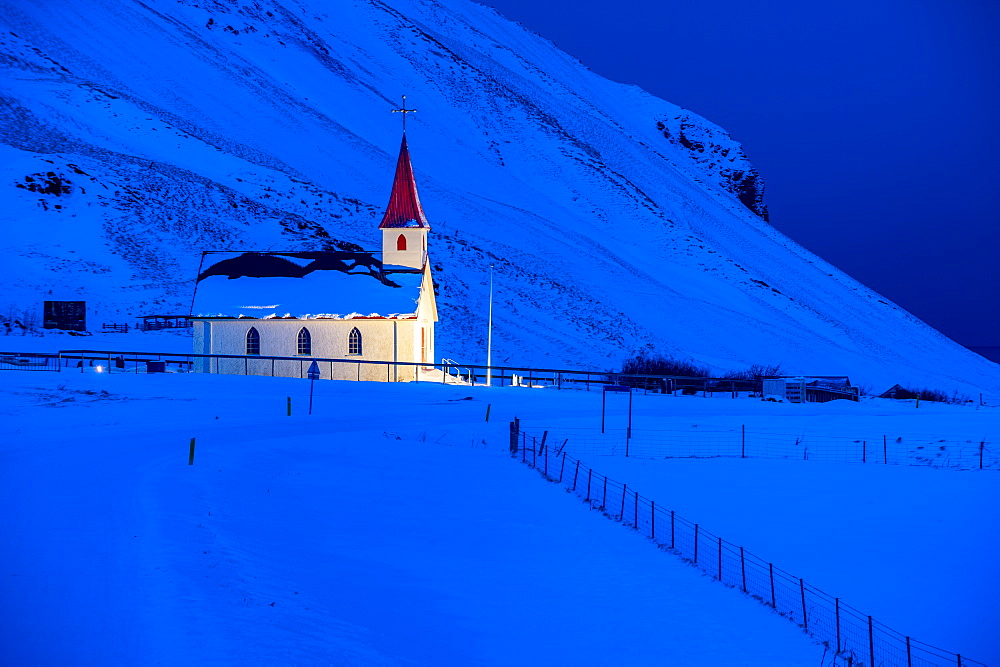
{"points": [[743, 441], [672, 529], [770, 569], [562, 467], [696, 544], [191, 454], [576, 473], [652, 520], [909, 657], [720, 559], [621, 517], [604, 500], [513, 438], [871, 642], [590, 475], [836, 603], [864, 451], [981, 446], [805, 619], [546, 450], [488, 406], [534, 452], [288, 400], [635, 521], [743, 570]]}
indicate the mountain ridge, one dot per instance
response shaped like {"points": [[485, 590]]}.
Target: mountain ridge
{"points": [[616, 222]]}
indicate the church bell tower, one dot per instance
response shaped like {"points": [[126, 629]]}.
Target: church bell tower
{"points": [[404, 226]]}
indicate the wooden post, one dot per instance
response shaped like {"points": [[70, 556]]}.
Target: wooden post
{"points": [[652, 520], [909, 656], [743, 570], [864, 451], [191, 454], [621, 516], [635, 520], [488, 406], [871, 642], [562, 467], [289, 401], [604, 500], [981, 446], [513, 438], [576, 473], [590, 475], [696, 543], [720, 559], [836, 602], [743, 441], [805, 620], [672, 531], [770, 569]]}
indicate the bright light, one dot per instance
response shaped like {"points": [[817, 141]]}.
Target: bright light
{"points": [[98, 369]]}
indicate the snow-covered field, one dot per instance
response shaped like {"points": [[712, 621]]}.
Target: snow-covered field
{"points": [[391, 527]]}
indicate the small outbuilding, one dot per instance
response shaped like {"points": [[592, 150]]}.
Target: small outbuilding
{"points": [[811, 389], [898, 392]]}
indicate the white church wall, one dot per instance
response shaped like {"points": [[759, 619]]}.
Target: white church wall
{"points": [[382, 340]]}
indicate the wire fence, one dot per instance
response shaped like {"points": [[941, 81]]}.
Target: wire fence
{"points": [[851, 634], [698, 442]]}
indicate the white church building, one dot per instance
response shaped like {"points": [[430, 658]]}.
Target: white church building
{"points": [[348, 306]]}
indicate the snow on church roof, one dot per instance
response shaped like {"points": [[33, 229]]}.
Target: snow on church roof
{"points": [[404, 209], [321, 284]]}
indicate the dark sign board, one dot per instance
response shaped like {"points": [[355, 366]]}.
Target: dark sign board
{"points": [[69, 315], [617, 387]]}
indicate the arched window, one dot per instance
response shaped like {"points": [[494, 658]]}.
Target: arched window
{"points": [[253, 341], [401, 242], [354, 342], [304, 342]]}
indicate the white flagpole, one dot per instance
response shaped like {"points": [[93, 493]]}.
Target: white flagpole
{"points": [[489, 337]]}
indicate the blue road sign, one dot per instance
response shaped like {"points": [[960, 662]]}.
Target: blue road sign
{"points": [[617, 387], [313, 372]]}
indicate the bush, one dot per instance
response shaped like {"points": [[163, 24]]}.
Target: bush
{"points": [[658, 364], [937, 395], [754, 372]]}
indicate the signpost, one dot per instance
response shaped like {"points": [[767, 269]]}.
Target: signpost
{"points": [[618, 389], [313, 375]]}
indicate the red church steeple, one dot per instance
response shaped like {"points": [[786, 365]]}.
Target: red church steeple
{"points": [[404, 210]]}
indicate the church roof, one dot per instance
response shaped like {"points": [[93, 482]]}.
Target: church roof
{"points": [[320, 284], [404, 208]]}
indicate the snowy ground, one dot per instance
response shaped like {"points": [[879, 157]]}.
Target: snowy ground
{"points": [[327, 539]]}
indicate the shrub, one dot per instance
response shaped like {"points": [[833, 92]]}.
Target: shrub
{"points": [[754, 372], [658, 364], [937, 395]]}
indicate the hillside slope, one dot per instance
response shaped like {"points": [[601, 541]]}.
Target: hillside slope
{"points": [[135, 136]]}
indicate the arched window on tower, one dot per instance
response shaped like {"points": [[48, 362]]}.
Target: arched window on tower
{"points": [[401, 242], [253, 341], [304, 343], [354, 345]]}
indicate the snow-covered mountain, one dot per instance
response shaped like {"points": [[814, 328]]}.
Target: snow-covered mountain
{"points": [[136, 135]]}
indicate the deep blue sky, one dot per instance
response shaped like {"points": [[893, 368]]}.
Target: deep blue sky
{"points": [[873, 123]]}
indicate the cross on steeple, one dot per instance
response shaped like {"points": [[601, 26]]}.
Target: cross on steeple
{"points": [[404, 111]]}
